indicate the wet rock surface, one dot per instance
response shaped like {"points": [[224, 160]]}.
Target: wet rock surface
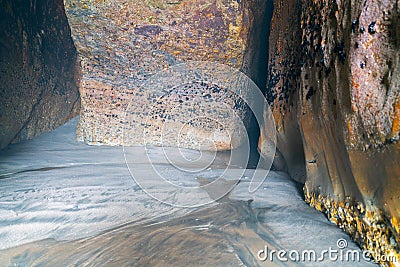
{"points": [[38, 69], [121, 43], [344, 99], [282, 87], [333, 83]]}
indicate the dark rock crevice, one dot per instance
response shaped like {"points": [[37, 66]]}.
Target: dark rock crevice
{"points": [[256, 62], [283, 86]]}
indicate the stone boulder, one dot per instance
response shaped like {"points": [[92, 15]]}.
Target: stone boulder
{"points": [[122, 43]]}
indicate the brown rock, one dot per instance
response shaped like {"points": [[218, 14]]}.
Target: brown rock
{"points": [[38, 69], [345, 100], [282, 87], [121, 43]]}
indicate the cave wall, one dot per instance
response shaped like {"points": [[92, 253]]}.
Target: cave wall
{"points": [[282, 85], [122, 43], [38, 69], [334, 84]]}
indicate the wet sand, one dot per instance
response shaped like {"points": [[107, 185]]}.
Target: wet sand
{"points": [[63, 203]]}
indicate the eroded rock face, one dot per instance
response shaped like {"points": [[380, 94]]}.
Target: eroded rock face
{"points": [[283, 86], [38, 69], [121, 43], [347, 93]]}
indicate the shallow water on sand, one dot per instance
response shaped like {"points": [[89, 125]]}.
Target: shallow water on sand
{"points": [[63, 203]]}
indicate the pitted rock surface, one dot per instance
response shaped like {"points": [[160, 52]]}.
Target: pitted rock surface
{"points": [[39, 71], [122, 43], [334, 84]]}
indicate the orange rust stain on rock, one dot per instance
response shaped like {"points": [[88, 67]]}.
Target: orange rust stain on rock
{"points": [[355, 85], [368, 44], [350, 129], [396, 120]]}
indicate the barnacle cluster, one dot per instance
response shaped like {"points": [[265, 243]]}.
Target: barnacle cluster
{"points": [[371, 229]]}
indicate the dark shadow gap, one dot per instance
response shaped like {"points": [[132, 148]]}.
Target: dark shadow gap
{"points": [[258, 69]]}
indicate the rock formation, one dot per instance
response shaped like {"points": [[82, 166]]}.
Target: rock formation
{"points": [[334, 81], [121, 43], [333, 84], [282, 85], [38, 69]]}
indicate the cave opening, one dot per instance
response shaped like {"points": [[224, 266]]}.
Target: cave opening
{"points": [[55, 53], [259, 47]]}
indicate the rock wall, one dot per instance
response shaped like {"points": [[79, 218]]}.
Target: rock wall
{"points": [[283, 84], [121, 43], [38, 69], [335, 83]]}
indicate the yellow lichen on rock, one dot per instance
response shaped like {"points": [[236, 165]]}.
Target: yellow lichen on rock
{"points": [[367, 227], [334, 88]]}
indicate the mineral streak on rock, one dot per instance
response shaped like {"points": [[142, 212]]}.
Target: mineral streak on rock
{"points": [[345, 99], [121, 43], [39, 72]]}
